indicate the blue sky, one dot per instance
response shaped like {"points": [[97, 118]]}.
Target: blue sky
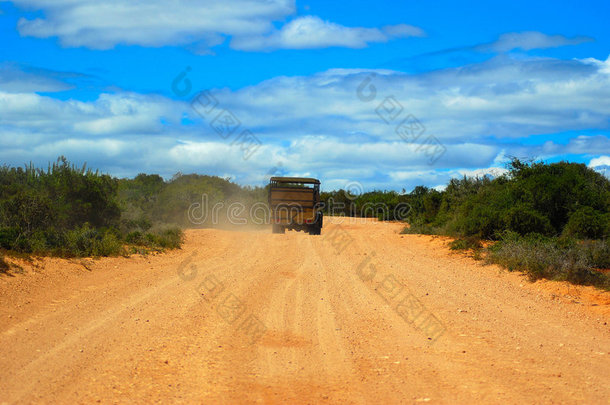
{"points": [[390, 94]]}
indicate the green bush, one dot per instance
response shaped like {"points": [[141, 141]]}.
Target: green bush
{"points": [[166, 238], [530, 197], [524, 219], [476, 219], [45, 211], [8, 237], [587, 223], [88, 241], [38, 242], [80, 241], [70, 211], [135, 238], [108, 245]]}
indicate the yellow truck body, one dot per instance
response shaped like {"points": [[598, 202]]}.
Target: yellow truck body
{"points": [[295, 204]]}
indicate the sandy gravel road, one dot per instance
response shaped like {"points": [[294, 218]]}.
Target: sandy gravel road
{"points": [[360, 314]]}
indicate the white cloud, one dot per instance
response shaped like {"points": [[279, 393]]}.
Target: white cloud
{"points": [[310, 32], [600, 161], [102, 25], [602, 66], [490, 171], [320, 126], [440, 176], [503, 98], [198, 25], [438, 179], [110, 114], [601, 164]]}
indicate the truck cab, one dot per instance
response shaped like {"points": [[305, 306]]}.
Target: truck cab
{"points": [[295, 204]]}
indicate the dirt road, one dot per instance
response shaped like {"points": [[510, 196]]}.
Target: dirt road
{"points": [[360, 314]]}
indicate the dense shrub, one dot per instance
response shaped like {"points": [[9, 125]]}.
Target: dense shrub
{"points": [[542, 198], [475, 218], [147, 200], [164, 238], [524, 219], [587, 223], [71, 211], [527, 209], [41, 210], [88, 241], [383, 205], [167, 238], [597, 253]]}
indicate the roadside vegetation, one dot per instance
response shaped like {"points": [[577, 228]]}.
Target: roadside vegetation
{"points": [[549, 220], [555, 258], [383, 205], [148, 199], [71, 212]]}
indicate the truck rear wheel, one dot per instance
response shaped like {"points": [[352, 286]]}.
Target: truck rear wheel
{"points": [[315, 230]]}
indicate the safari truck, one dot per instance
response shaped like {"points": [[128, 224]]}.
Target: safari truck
{"points": [[295, 204]]}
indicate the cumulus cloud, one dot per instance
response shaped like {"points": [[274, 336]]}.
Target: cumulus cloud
{"points": [[310, 32], [601, 164], [600, 161], [337, 125], [102, 25], [501, 98], [198, 25], [109, 115]]}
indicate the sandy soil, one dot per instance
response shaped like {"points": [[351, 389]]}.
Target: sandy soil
{"points": [[360, 314]]}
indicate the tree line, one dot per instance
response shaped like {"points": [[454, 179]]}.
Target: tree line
{"points": [[562, 209]]}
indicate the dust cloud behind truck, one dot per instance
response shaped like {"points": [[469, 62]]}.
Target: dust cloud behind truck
{"points": [[295, 204]]}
